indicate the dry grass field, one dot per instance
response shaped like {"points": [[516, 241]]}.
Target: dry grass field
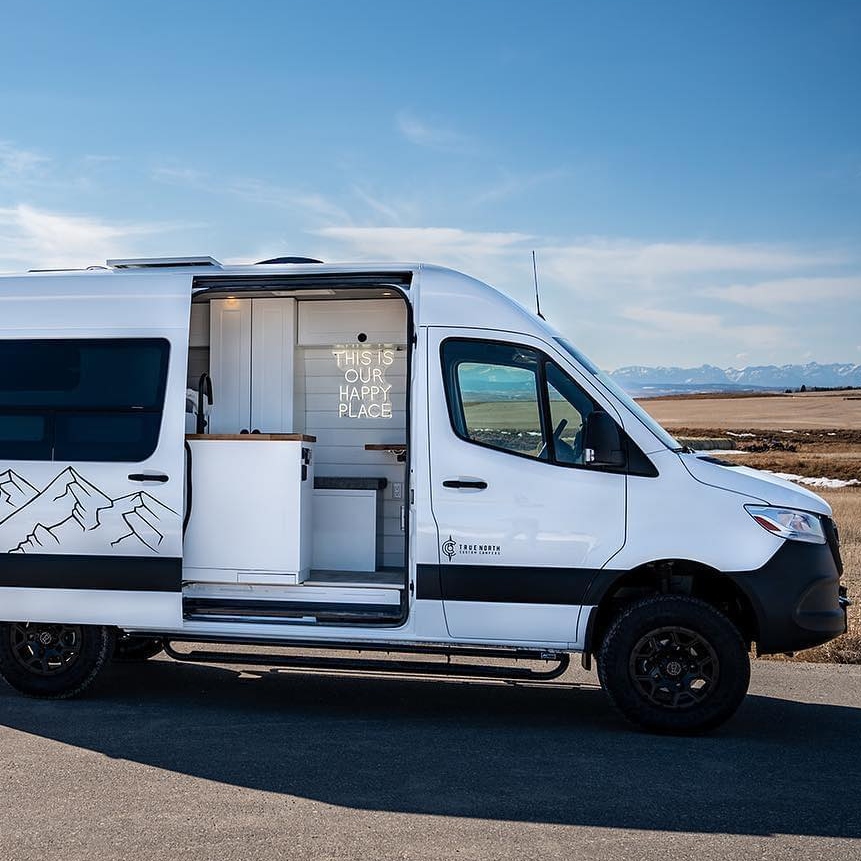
{"points": [[804, 411]]}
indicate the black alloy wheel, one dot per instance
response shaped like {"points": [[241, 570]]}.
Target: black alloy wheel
{"points": [[674, 664], [45, 650], [674, 667], [51, 660]]}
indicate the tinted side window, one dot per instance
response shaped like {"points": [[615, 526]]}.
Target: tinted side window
{"points": [[88, 399], [493, 395], [83, 374]]}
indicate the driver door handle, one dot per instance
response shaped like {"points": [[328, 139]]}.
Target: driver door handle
{"points": [[476, 484]]}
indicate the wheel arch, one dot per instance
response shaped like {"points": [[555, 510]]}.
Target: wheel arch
{"points": [[611, 591]]}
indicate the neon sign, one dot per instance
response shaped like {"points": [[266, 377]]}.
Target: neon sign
{"points": [[365, 392]]}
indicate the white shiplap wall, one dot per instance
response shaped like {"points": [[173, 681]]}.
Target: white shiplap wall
{"points": [[340, 449]]}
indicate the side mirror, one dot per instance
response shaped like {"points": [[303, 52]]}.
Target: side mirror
{"points": [[602, 442]]}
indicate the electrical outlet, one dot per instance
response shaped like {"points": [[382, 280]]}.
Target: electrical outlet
{"points": [[397, 490]]}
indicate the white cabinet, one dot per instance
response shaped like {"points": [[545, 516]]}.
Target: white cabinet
{"points": [[252, 348], [251, 516], [273, 346], [345, 530], [230, 365], [342, 321]]}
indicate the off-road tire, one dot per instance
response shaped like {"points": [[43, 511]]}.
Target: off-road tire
{"points": [[131, 649], [708, 647], [45, 675]]}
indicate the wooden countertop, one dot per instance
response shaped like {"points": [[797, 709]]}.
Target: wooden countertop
{"points": [[253, 437]]}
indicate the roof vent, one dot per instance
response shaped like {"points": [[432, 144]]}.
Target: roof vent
{"points": [[277, 260], [164, 263]]}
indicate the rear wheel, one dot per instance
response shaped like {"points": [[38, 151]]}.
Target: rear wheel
{"points": [[52, 661], [674, 664], [130, 648]]}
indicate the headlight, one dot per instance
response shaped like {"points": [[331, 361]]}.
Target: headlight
{"points": [[788, 523]]}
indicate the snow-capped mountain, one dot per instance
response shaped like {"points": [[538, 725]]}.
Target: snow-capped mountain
{"points": [[638, 378], [71, 515]]}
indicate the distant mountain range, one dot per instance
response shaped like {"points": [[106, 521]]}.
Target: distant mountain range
{"points": [[639, 379]]}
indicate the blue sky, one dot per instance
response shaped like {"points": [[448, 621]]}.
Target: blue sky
{"points": [[689, 173]]}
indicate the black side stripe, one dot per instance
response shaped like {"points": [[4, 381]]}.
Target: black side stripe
{"points": [[55, 571], [504, 583]]}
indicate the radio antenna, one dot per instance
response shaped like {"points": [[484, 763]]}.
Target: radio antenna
{"points": [[537, 298]]}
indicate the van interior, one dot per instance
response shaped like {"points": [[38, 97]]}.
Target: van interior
{"points": [[296, 453]]}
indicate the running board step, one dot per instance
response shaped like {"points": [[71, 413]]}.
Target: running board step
{"points": [[246, 610], [379, 665]]}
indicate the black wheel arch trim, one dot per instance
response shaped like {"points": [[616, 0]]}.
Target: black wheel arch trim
{"points": [[793, 596]]}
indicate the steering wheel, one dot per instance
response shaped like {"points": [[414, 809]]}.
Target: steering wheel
{"points": [[557, 435]]}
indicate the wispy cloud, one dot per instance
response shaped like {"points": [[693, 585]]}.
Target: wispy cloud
{"points": [[782, 291], [393, 214], [100, 159], [662, 322], [36, 238], [433, 134], [315, 206], [649, 263], [666, 320], [312, 203], [630, 301], [18, 164], [447, 245], [512, 185], [181, 176]]}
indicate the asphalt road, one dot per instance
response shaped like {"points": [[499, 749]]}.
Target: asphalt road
{"points": [[170, 761]]}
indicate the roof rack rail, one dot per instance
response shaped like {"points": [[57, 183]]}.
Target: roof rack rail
{"points": [[163, 262]]}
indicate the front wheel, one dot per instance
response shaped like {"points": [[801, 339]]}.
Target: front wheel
{"points": [[674, 664], [52, 661]]}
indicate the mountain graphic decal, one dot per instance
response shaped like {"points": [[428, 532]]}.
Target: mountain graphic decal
{"points": [[73, 516], [14, 492]]}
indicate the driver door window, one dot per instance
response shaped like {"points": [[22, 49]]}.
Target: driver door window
{"points": [[493, 393], [514, 399], [569, 407]]}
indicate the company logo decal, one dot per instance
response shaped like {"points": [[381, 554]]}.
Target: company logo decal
{"points": [[452, 548]]}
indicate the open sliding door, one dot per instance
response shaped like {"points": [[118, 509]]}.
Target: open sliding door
{"points": [[91, 459]]}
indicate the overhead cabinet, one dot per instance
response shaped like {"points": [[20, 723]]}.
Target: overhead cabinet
{"points": [[252, 347], [345, 321]]}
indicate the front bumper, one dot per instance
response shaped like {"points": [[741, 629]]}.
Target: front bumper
{"points": [[797, 597]]}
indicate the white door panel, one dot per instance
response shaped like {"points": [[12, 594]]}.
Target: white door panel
{"points": [[517, 554], [95, 508], [550, 624]]}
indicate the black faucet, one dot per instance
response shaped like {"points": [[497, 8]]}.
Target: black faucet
{"points": [[204, 390]]}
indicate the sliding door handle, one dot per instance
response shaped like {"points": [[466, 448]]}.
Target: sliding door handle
{"points": [[472, 484], [154, 477]]}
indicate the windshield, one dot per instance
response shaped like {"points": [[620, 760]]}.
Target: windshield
{"points": [[622, 395]]}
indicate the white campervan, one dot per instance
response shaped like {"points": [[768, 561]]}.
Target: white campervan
{"points": [[374, 457]]}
